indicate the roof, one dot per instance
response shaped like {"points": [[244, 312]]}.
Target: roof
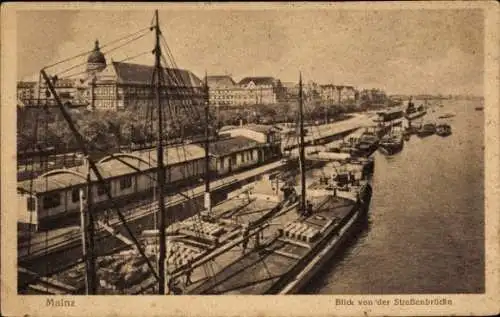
{"points": [[336, 86], [259, 127], [228, 127], [60, 179], [26, 84], [228, 146], [128, 73], [222, 81], [289, 84], [257, 81], [109, 167], [262, 128], [128, 163], [390, 111], [96, 57]]}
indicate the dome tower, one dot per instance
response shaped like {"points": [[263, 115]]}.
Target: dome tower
{"points": [[96, 61]]}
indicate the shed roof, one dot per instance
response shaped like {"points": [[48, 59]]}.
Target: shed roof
{"points": [[223, 81], [232, 145], [258, 81], [262, 128], [120, 164]]}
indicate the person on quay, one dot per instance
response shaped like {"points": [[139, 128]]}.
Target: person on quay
{"points": [[309, 209], [245, 232]]}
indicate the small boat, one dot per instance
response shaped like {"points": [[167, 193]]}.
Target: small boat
{"points": [[368, 143], [446, 115], [413, 113], [392, 143], [426, 130], [480, 108], [443, 129]]}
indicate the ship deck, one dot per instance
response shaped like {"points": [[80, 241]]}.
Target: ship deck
{"points": [[213, 250], [257, 269]]}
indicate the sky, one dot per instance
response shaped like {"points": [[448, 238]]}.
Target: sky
{"points": [[407, 51]]}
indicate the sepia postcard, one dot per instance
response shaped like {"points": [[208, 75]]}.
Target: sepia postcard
{"points": [[297, 159]]}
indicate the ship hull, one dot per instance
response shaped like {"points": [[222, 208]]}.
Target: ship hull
{"points": [[287, 263], [331, 247], [414, 116], [423, 134], [391, 148]]}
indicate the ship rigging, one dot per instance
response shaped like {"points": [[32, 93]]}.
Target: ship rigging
{"points": [[251, 242]]}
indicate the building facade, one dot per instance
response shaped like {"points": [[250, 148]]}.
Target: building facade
{"points": [[373, 96], [338, 94], [224, 91], [34, 93], [120, 85], [26, 91]]}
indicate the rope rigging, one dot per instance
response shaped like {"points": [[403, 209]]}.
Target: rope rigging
{"points": [[101, 181], [105, 52], [191, 109], [90, 51]]}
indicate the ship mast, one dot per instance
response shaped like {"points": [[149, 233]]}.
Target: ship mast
{"points": [[208, 203], [87, 230], [158, 71], [302, 206]]}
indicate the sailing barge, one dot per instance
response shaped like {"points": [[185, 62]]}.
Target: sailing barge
{"points": [[270, 237]]}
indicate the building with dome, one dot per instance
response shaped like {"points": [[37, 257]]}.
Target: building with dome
{"points": [[96, 61], [120, 85]]}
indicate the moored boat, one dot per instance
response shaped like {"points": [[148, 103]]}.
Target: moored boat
{"points": [[392, 143], [426, 130], [283, 257], [412, 112], [367, 144], [443, 129], [446, 115], [290, 245]]}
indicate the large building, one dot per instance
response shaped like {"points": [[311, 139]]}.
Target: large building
{"points": [[291, 90], [338, 93], [120, 85], [373, 96], [26, 91], [35, 93], [224, 91]]}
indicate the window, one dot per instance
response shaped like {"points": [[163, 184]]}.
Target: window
{"points": [[31, 204], [75, 194], [101, 191], [51, 200], [125, 182]]}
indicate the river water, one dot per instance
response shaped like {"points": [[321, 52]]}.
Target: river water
{"points": [[426, 231]]}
